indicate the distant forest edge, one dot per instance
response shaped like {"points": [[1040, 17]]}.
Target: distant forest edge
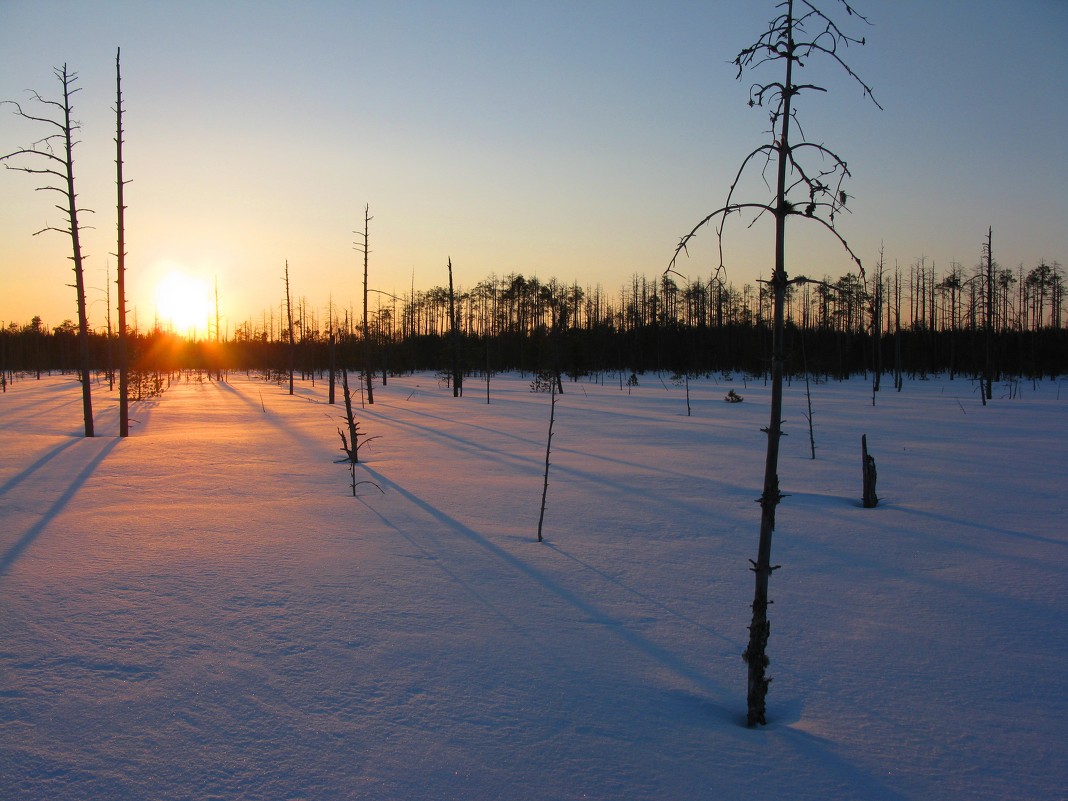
{"points": [[915, 325]]}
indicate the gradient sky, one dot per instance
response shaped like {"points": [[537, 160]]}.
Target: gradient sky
{"points": [[577, 140]]}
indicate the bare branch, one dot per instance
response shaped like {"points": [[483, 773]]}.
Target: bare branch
{"points": [[841, 240], [33, 171], [25, 151], [32, 118], [723, 211], [53, 228]]}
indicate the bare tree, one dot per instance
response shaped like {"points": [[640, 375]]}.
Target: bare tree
{"points": [[356, 439], [332, 351], [367, 375], [809, 179], [454, 330], [986, 389], [53, 157], [218, 334], [120, 254], [107, 353], [548, 452], [292, 340], [876, 308]]}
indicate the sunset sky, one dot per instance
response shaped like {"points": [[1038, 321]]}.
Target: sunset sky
{"points": [[576, 140]]}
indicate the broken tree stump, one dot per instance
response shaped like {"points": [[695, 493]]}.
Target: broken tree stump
{"points": [[869, 474]]}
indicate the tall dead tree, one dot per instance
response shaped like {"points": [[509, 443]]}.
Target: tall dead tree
{"points": [[107, 295], [120, 254], [218, 334], [548, 453], [292, 340], [454, 333], [332, 351], [876, 300], [53, 157], [809, 179], [987, 384], [367, 375]]}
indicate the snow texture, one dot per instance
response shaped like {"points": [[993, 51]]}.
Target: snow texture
{"points": [[203, 610]]}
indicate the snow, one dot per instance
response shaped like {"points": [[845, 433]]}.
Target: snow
{"points": [[203, 610]]}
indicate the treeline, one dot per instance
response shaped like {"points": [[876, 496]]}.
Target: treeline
{"points": [[919, 297], [914, 324]]}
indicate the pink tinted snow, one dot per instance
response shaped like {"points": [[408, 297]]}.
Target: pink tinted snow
{"points": [[203, 610]]}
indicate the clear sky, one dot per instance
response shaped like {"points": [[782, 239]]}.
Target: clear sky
{"points": [[576, 140]]}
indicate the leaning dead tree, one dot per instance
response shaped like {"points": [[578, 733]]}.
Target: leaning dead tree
{"points": [[292, 339], [548, 453], [808, 180], [53, 158]]}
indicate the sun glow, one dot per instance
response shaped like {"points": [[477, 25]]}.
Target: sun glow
{"points": [[183, 303]]}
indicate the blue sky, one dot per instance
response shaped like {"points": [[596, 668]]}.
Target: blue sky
{"points": [[576, 140]]}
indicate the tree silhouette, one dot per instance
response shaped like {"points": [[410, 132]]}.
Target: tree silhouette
{"points": [[292, 338], [120, 254], [364, 248], [809, 181], [53, 157]]}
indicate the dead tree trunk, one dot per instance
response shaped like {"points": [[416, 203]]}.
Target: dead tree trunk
{"points": [[812, 190], [877, 327], [808, 399], [109, 365], [333, 358], [356, 439], [870, 499], [367, 374], [548, 451], [218, 335], [292, 341], [59, 167], [987, 388], [352, 451], [454, 332]]}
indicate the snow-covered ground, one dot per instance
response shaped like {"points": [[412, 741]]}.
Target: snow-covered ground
{"points": [[203, 610]]}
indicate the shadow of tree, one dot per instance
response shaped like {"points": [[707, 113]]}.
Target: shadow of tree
{"points": [[15, 551]]}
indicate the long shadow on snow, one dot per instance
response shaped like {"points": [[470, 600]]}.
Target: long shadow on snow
{"points": [[948, 543], [411, 411], [850, 780], [643, 596], [272, 420], [61, 502], [536, 460], [981, 527], [538, 444], [920, 574], [18, 478], [632, 638], [426, 554], [496, 454], [46, 402]]}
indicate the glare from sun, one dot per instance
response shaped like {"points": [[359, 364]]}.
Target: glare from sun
{"points": [[183, 303]]}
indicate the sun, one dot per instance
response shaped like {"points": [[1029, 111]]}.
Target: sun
{"points": [[183, 302]]}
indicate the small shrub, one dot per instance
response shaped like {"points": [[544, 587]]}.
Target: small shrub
{"points": [[544, 381]]}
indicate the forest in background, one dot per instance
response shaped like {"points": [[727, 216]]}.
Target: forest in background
{"points": [[913, 322]]}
